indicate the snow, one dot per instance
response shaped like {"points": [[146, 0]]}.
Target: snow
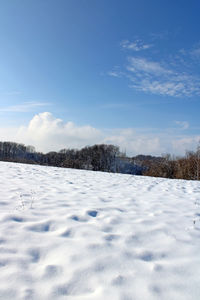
{"points": [[74, 234]]}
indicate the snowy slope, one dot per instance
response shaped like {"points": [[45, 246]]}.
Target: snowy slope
{"points": [[72, 234]]}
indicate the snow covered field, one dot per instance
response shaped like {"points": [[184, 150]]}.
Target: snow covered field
{"points": [[73, 234]]}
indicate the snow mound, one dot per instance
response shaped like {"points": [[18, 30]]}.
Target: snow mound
{"points": [[73, 234]]}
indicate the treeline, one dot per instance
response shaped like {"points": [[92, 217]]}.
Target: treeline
{"points": [[102, 157], [107, 158], [187, 167]]}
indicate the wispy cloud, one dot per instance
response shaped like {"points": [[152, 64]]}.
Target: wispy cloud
{"points": [[140, 64], [137, 45], [193, 52], [174, 75], [24, 107], [115, 73], [183, 124], [156, 78], [196, 52], [159, 35]]}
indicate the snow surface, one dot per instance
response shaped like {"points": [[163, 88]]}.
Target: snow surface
{"points": [[74, 234]]}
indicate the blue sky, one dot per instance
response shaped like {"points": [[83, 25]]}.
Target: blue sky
{"points": [[79, 72]]}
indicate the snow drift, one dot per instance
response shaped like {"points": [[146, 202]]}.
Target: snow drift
{"points": [[74, 234]]}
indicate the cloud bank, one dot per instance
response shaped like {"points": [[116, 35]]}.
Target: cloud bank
{"points": [[48, 133]]}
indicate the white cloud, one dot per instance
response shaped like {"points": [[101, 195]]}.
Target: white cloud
{"points": [[24, 107], [186, 143], [134, 142], [48, 133], [137, 45]]}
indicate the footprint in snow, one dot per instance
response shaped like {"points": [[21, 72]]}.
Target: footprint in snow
{"points": [[17, 219], [92, 213], [52, 271], [35, 254], [111, 237], [67, 233], [40, 227], [78, 219]]}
